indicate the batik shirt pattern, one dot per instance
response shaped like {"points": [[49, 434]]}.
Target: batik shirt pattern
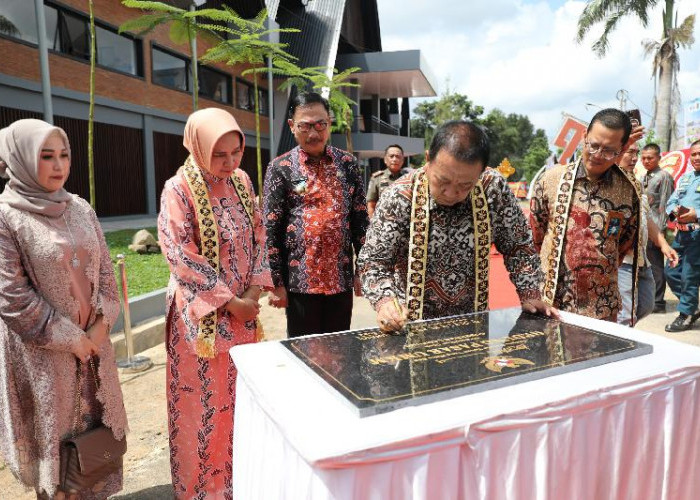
{"points": [[601, 227], [449, 278], [316, 215]]}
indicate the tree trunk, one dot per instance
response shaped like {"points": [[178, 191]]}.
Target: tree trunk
{"points": [[91, 113], [258, 155], [348, 131], [664, 103], [193, 63]]}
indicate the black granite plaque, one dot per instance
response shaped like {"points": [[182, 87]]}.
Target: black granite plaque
{"points": [[449, 357]]}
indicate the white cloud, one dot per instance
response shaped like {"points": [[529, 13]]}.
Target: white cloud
{"points": [[522, 56]]}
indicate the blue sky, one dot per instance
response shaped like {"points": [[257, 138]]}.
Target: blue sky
{"points": [[521, 56]]}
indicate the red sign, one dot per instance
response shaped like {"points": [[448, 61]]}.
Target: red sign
{"points": [[519, 189], [569, 137]]}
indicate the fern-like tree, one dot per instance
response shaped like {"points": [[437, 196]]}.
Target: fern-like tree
{"points": [[330, 82], [664, 51], [248, 42], [183, 29]]}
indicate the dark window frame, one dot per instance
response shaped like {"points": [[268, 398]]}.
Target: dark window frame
{"points": [[177, 55], [251, 89], [137, 41], [61, 8], [229, 83]]}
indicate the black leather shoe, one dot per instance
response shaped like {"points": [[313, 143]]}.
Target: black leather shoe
{"points": [[659, 309], [682, 322], [695, 316]]}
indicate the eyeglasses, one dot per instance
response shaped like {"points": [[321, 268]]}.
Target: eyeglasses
{"points": [[632, 152], [318, 126], [606, 153]]}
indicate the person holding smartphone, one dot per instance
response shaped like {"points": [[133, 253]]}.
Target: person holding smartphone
{"points": [[684, 280]]}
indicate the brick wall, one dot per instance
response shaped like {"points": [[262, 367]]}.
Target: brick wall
{"points": [[22, 61]]}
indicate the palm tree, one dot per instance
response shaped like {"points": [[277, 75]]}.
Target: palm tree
{"points": [[664, 51], [7, 27], [183, 29], [247, 42]]}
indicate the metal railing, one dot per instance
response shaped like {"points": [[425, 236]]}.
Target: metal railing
{"points": [[384, 127], [376, 125]]}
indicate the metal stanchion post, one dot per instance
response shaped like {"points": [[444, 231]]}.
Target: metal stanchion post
{"points": [[132, 363]]}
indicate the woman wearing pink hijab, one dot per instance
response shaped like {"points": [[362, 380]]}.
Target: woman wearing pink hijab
{"points": [[213, 237], [58, 301]]}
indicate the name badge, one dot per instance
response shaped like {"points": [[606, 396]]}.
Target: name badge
{"points": [[299, 185], [613, 224]]}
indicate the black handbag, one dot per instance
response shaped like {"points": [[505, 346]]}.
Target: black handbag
{"points": [[88, 457]]}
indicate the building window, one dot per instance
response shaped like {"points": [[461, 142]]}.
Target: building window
{"points": [[170, 70], [116, 51], [17, 20], [245, 97], [214, 85], [262, 102], [68, 32]]}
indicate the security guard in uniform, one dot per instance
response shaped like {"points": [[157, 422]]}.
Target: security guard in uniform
{"points": [[683, 207], [382, 179]]}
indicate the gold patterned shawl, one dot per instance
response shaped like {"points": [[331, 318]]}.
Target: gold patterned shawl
{"points": [[557, 230], [418, 246], [209, 239]]}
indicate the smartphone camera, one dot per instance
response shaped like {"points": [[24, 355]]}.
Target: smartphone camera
{"points": [[635, 117]]}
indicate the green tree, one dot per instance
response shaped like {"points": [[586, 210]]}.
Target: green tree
{"points": [[247, 42], [429, 114], [664, 51], [536, 155], [183, 29], [650, 138], [512, 136], [237, 41]]}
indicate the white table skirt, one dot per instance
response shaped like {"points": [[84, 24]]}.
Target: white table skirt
{"points": [[625, 430]]}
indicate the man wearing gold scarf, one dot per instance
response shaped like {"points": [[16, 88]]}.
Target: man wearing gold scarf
{"points": [[426, 253], [585, 217]]}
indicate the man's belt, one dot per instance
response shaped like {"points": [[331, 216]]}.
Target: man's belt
{"points": [[687, 227]]}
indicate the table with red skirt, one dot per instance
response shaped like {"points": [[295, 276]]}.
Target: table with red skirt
{"points": [[628, 429]]}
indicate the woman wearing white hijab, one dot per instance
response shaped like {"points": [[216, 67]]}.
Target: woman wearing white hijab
{"points": [[58, 301]]}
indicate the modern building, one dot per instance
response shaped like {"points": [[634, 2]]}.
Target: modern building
{"points": [[144, 91], [346, 34]]}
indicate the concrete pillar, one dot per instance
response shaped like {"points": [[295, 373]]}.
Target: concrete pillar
{"points": [[149, 165], [405, 118], [44, 60], [355, 96], [374, 126]]}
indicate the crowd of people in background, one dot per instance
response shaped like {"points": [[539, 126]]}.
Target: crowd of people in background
{"points": [[417, 246]]}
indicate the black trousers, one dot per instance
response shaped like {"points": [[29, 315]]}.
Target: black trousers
{"points": [[656, 258], [316, 313]]}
